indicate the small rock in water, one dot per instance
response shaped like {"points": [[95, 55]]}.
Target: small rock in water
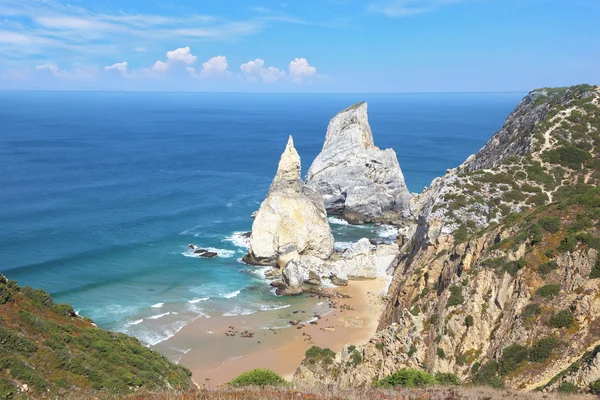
{"points": [[208, 254], [294, 322]]}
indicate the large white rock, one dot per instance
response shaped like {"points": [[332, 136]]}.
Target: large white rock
{"points": [[356, 178], [292, 216]]}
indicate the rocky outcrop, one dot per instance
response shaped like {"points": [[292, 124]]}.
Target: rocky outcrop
{"points": [[292, 216], [356, 179], [500, 274]]}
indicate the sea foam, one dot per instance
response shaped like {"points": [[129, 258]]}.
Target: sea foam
{"points": [[337, 221], [231, 294], [158, 305], [239, 240]]}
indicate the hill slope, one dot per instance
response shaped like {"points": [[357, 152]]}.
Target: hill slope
{"points": [[45, 348], [500, 281]]}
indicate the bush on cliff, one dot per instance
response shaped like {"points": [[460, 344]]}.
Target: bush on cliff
{"points": [[316, 354], [258, 377], [407, 378]]}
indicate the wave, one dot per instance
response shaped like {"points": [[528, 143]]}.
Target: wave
{"points": [[239, 311], [222, 253], [273, 308], [158, 305], [152, 338], [239, 239], [339, 246], [387, 232], [337, 221], [136, 322], [194, 301], [231, 294], [159, 316]]}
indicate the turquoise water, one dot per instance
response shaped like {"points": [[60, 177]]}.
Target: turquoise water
{"points": [[101, 193]]}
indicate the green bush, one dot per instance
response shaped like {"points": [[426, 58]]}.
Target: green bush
{"points": [[562, 319], [356, 358], [5, 295], [469, 321], [456, 297], [407, 378], [595, 273], [548, 291], [595, 387], [512, 357], [548, 267], [258, 377], [550, 224], [316, 354], [531, 310], [7, 389], [11, 341], [567, 387], [441, 353], [487, 375], [542, 349], [447, 379], [567, 156]]}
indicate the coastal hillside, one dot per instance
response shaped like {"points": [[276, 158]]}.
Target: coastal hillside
{"points": [[46, 349], [499, 281]]}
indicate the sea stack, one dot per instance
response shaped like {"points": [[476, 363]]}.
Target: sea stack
{"points": [[357, 179], [291, 219]]}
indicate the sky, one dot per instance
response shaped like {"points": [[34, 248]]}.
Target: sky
{"points": [[324, 46]]}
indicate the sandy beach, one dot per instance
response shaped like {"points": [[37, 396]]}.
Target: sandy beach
{"points": [[214, 357]]}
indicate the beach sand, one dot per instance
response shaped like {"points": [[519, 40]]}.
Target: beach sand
{"points": [[215, 358]]}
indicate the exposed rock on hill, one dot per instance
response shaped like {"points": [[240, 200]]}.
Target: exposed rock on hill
{"points": [[500, 282], [356, 179], [292, 216]]}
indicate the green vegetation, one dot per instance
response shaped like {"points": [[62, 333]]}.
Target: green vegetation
{"points": [[548, 267], [595, 387], [258, 377], [550, 224], [316, 354], [568, 387], [567, 155], [447, 379], [542, 349], [48, 347], [456, 297], [469, 321], [595, 273], [407, 378], [487, 375], [548, 291], [441, 353], [531, 310], [562, 319], [512, 357]]}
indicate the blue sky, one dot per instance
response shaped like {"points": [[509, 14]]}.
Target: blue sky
{"points": [[299, 46]]}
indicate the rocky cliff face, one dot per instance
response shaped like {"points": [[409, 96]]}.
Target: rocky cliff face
{"points": [[500, 280], [291, 218], [356, 179]]}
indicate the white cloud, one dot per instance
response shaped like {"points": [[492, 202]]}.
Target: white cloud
{"points": [[160, 66], [300, 70], [119, 67], [216, 66], [182, 54], [406, 8], [255, 70], [77, 73]]}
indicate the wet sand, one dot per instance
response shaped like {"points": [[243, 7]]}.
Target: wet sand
{"points": [[215, 358]]}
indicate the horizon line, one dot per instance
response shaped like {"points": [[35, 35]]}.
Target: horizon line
{"points": [[240, 92]]}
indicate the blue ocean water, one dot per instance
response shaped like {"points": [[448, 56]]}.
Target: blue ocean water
{"points": [[100, 193]]}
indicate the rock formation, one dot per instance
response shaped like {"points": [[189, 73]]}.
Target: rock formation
{"points": [[356, 179], [500, 279], [292, 216]]}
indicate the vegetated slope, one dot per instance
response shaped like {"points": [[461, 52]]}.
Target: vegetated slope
{"points": [[500, 282], [46, 348]]}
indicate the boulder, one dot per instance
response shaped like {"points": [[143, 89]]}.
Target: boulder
{"points": [[208, 254], [292, 215], [356, 179]]}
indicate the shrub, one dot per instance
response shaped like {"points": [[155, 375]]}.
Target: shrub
{"points": [[531, 310], [548, 291], [542, 349], [562, 319], [567, 387], [316, 354], [567, 156], [12, 341], [548, 267], [456, 298], [488, 376], [407, 378], [356, 358], [258, 377], [550, 224], [595, 387], [351, 348], [7, 389], [595, 273], [469, 321], [441, 353], [447, 379], [512, 357]]}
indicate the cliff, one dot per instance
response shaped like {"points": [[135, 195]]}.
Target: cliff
{"points": [[357, 179], [499, 281], [48, 350]]}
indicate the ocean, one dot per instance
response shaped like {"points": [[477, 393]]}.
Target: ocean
{"points": [[101, 193]]}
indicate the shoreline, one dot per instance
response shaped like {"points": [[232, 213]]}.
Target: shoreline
{"points": [[351, 316]]}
